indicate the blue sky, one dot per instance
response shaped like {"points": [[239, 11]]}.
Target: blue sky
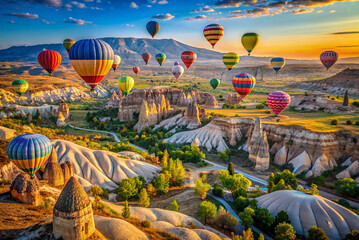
{"points": [[295, 28]]}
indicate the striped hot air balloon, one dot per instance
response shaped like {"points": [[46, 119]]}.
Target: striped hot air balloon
{"points": [[49, 60], [230, 60], [214, 82], [243, 84], [125, 84], [250, 41], [136, 69], [92, 59], [188, 58], [278, 101], [146, 57], [68, 44], [153, 28], [116, 62], [161, 58], [328, 58], [29, 152], [213, 33], [277, 63], [20, 86]]}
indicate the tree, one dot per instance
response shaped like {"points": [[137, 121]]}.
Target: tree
{"points": [[247, 235], [270, 182], [346, 99], [223, 156], [287, 176], [202, 188], [316, 233], [217, 190], [261, 237], [161, 184], [240, 192], [281, 217], [95, 190], [129, 187], [233, 182], [314, 189], [151, 190], [347, 187], [174, 206], [126, 212], [144, 199], [284, 231], [240, 203], [231, 168], [175, 171], [225, 219], [207, 210], [281, 186], [263, 219], [247, 217], [353, 235], [165, 160]]}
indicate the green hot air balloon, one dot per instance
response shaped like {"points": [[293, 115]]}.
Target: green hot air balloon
{"points": [[20, 86], [161, 58], [214, 82], [125, 84]]}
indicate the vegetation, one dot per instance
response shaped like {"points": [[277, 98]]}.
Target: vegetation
{"points": [[126, 212], [161, 184], [144, 198], [247, 217], [240, 203], [347, 187], [217, 190], [247, 235], [353, 235], [225, 220], [263, 219], [347, 205], [207, 211], [129, 188], [233, 182], [284, 180], [231, 168], [284, 231], [316, 233], [146, 224], [240, 192], [174, 171], [282, 217], [202, 188], [95, 190], [174, 206]]}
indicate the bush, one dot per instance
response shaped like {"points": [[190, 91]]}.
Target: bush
{"points": [[161, 184], [260, 106], [319, 180], [356, 103], [263, 219], [347, 187], [349, 122], [174, 206], [126, 212], [240, 203], [353, 235], [316, 233], [146, 224], [202, 188], [233, 182], [130, 187], [247, 217], [357, 123], [284, 231], [95, 190], [240, 192], [144, 199], [207, 210], [217, 190], [267, 111]]}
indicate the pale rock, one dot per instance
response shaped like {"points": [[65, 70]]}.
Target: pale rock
{"points": [[191, 117], [6, 133], [27, 129], [61, 120], [301, 163], [196, 142], [347, 162], [64, 110], [280, 157], [349, 172], [309, 174], [26, 189], [211, 102], [67, 170], [9, 171], [169, 122], [53, 172], [357, 179], [258, 147], [132, 155], [322, 164], [233, 98]]}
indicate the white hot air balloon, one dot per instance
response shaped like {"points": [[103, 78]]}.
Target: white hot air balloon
{"points": [[177, 71]]}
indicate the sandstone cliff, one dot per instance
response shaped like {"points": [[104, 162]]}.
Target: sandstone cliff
{"points": [[233, 98], [211, 102]]}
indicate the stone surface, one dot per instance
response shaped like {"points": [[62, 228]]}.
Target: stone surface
{"points": [[132, 155], [233, 98], [9, 171], [67, 170], [301, 163], [6, 133], [26, 189], [211, 102], [280, 157], [323, 163], [349, 172], [346, 99], [64, 109], [191, 117], [53, 173], [115, 98]]}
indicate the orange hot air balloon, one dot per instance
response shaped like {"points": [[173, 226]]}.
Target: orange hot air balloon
{"points": [[49, 60], [146, 57], [188, 58]]}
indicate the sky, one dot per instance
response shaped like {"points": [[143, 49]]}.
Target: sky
{"points": [[300, 29]]}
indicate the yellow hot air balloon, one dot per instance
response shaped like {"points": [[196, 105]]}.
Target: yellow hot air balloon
{"points": [[230, 60], [277, 63], [125, 84], [250, 41]]}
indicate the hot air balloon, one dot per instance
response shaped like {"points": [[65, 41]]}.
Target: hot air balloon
{"points": [[243, 84], [116, 62], [328, 58], [92, 59], [146, 57], [68, 43], [177, 71], [176, 63], [125, 84], [250, 41], [161, 58], [20, 86], [277, 63], [213, 33], [29, 152], [136, 69], [278, 101], [230, 60], [214, 82], [153, 28], [49, 60], [188, 58]]}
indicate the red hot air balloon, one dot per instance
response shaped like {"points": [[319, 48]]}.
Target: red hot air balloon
{"points": [[188, 58], [278, 101], [243, 84], [136, 69], [328, 58], [146, 57], [49, 60]]}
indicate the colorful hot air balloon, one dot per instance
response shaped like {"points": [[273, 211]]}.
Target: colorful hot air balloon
{"points": [[136, 69], [250, 41], [68, 43], [153, 28], [176, 63], [278, 101], [213, 33], [214, 82], [92, 59], [277, 63], [20, 86], [188, 58], [125, 84], [177, 71], [161, 58], [328, 58], [230, 60], [49, 60], [243, 84], [146, 57], [29, 152], [116, 62]]}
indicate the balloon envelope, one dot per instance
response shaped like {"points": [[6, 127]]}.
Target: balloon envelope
{"points": [[125, 84], [91, 59], [277, 63], [250, 41], [230, 60], [328, 58], [161, 58], [188, 58], [278, 101], [29, 152], [213, 33], [146, 57], [49, 60], [214, 82], [153, 28], [136, 69], [116, 62], [176, 63], [68, 43], [20, 86], [243, 84], [177, 71]]}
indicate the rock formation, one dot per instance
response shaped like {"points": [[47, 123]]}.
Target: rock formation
{"points": [[6, 133], [191, 117], [233, 98], [196, 142], [72, 214], [64, 109], [53, 172], [115, 99], [9, 171], [26, 189], [67, 170], [350, 172], [61, 120], [346, 99], [132, 155], [211, 102], [29, 117]]}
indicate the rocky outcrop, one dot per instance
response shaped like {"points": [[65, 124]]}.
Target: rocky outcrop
{"points": [[233, 98], [132, 155], [191, 117], [26, 189], [115, 99], [64, 110], [9, 171], [321, 164], [349, 172], [211, 102], [11, 110], [6, 133], [67, 170], [346, 99], [53, 171], [60, 120]]}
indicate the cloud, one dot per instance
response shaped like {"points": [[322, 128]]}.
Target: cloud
{"points": [[319, 11], [51, 3], [344, 33], [88, 0], [134, 5], [348, 46], [332, 11], [302, 11], [47, 22], [152, 1], [198, 18], [78, 4], [149, 5], [129, 25], [233, 3], [163, 2], [12, 22], [24, 15], [164, 17], [76, 21], [204, 9]]}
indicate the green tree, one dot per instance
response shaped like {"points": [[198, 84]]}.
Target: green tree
{"points": [[202, 188], [281, 217], [316, 233], [225, 219], [165, 159], [223, 156], [217, 190], [281, 186], [314, 189], [263, 219], [144, 198], [151, 190], [240, 192], [174, 206], [233, 182], [284, 231], [247, 217], [95, 190], [126, 212], [287, 176], [129, 187], [207, 210], [347, 187], [161, 184], [175, 171], [261, 237], [247, 235], [353, 235], [270, 182], [231, 168], [240, 203]]}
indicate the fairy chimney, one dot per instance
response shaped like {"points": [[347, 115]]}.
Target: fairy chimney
{"points": [[53, 171], [346, 99], [68, 170], [26, 189]]}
